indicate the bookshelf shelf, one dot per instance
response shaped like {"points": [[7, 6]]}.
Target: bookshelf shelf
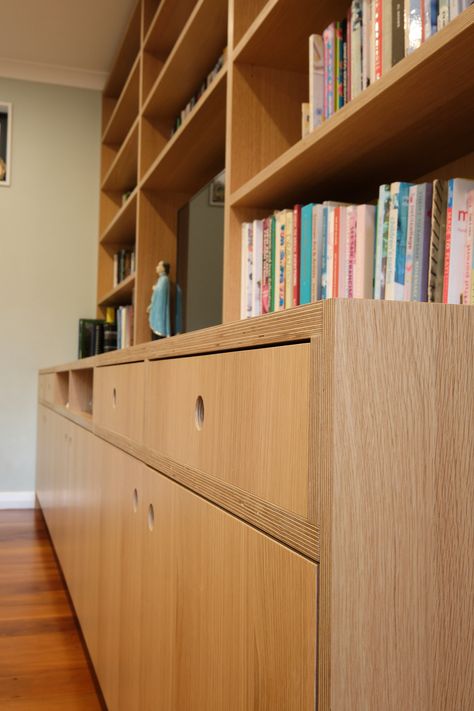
{"points": [[410, 121], [278, 18], [196, 152], [121, 230], [122, 174], [197, 49], [126, 57], [126, 109], [121, 294], [166, 26]]}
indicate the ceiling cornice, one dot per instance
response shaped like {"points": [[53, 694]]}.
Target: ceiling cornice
{"points": [[51, 74]]}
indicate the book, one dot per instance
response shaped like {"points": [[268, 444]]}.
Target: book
{"points": [[87, 337], [378, 38], [340, 71], [296, 255], [386, 35], [456, 229], [414, 22], [244, 271], [381, 241], [443, 14], [356, 81], [351, 239], [396, 247], [398, 31], [329, 41], [257, 267], [410, 242], [273, 259], [421, 247], [306, 273], [430, 25], [266, 266], [364, 251], [439, 209], [316, 81], [467, 291], [288, 281], [305, 119], [279, 271]]}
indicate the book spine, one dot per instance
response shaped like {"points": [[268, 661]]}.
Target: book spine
{"points": [[273, 261], [330, 254], [351, 246], [348, 63], [249, 273], [412, 215], [366, 8], [364, 251], [466, 296], [342, 284], [443, 15], [430, 18], [372, 42], [243, 270], [356, 48], [383, 221], [324, 255], [419, 290], [266, 267], [316, 81], [402, 219], [392, 242], [296, 254], [378, 38], [447, 249], [398, 31], [331, 66], [306, 254], [317, 252], [437, 241], [257, 267], [470, 230], [335, 251], [288, 259], [305, 119], [281, 262]]}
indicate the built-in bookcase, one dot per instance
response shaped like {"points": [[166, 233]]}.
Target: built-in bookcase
{"points": [[413, 123]]}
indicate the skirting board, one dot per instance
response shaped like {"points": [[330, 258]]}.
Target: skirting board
{"points": [[17, 500]]}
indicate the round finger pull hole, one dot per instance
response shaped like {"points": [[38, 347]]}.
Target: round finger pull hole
{"points": [[199, 413], [135, 500], [114, 397], [151, 517]]}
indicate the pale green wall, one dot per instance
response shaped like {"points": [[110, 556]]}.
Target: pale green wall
{"points": [[48, 253]]}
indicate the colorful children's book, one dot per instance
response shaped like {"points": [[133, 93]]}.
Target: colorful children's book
{"points": [[316, 81], [306, 253], [329, 41], [296, 255], [456, 230], [288, 259], [397, 234], [317, 252], [356, 48], [381, 241], [257, 267], [266, 268]]}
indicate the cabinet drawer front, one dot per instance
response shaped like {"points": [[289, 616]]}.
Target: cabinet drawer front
{"points": [[241, 417], [118, 399], [46, 387], [229, 614]]}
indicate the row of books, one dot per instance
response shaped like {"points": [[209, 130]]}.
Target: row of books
{"points": [[415, 244], [354, 52], [98, 336], [124, 265], [195, 98]]}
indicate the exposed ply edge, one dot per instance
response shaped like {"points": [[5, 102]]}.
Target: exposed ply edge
{"points": [[121, 99], [82, 419], [297, 324], [285, 527], [17, 500]]}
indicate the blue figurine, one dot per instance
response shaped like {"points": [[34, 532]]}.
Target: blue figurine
{"points": [[159, 308]]}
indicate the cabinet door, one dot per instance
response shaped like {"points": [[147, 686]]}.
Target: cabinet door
{"points": [[119, 585], [228, 616]]}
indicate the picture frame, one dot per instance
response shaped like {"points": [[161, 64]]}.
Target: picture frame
{"points": [[5, 143], [217, 190]]}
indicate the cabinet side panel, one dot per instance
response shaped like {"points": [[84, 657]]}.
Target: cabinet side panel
{"points": [[402, 533]]}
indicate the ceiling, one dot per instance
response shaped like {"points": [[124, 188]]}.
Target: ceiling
{"points": [[70, 42]]}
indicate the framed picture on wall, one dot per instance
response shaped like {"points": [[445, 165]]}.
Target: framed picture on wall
{"points": [[5, 142]]}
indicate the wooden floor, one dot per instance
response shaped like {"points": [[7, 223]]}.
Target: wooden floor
{"points": [[43, 666]]}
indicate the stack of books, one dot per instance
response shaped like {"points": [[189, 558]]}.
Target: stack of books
{"points": [[124, 265], [354, 52], [415, 244]]}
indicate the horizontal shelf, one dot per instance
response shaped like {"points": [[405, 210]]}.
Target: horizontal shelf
{"points": [[199, 46], [121, 294], [122, 174], [280, 18], [415, 118], [126, 109], [167, 25], [124, 223], [196, 152], [126, 57]]}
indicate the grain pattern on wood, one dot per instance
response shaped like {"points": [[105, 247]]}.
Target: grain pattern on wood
{"points": [[401, 505], [118, 399], [240, 417], [126, 109], [220, 624], [43, 663]]}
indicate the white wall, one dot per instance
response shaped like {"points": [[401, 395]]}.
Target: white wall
{"points": [[48, 253]]}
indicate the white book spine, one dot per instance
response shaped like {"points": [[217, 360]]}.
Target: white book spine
{"points": [[249, 271], [351, 240], [364, 251], [343, 256], [356, 48], [257, 267], [330, 252], [458, 231], [386, 35], [243, 271]]}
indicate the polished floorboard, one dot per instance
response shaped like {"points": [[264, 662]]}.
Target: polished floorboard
{"points": [[43, 665]]}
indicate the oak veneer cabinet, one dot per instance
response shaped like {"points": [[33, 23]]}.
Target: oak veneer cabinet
{"points": [[208, 573]]}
